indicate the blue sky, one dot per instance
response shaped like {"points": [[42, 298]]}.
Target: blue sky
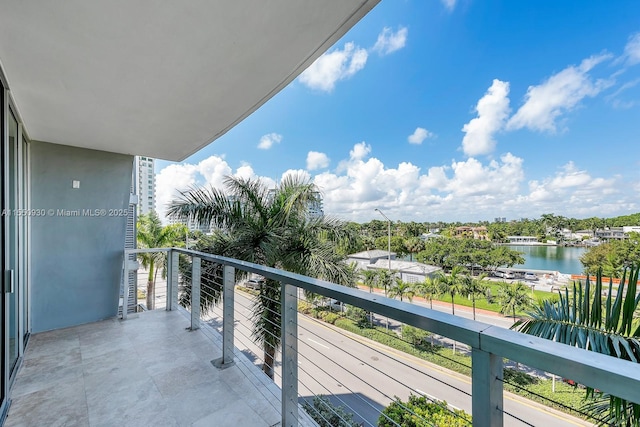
{"points": [[454, 110]]}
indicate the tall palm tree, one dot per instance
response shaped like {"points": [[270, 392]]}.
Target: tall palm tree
{"points": [[514, 297], [413, 246], [453, 284], [270, 227], [151, 234], [584, 320], [369, 278], [385, 279], [474, 287], [401, 289], [429, 289]]}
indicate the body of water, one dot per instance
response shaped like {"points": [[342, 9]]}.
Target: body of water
{"points": [[555, 258]]}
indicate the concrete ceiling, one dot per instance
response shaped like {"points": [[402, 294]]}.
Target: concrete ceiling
{"points": [[158, 78]]}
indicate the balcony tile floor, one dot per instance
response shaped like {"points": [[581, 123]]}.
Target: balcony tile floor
{"points": [[148, 370]]}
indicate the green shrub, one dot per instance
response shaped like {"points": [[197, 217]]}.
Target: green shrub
{"points": [[420, 412], [358, 315], [326, 414], [413, 334], [304, 307], [331, 317]]}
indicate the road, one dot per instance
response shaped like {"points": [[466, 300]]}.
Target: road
{"points": [[365, 376]]}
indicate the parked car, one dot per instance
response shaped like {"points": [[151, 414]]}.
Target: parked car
{"points": [[252, 283], [336, 305], [498, 274], [530, 276], [508, 275]]}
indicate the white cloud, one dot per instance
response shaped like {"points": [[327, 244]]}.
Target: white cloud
{"points": [[468, 190], [360, 151], [578, 192], [267, 141], [449, 4], [316, 160], [419, 135], [334, 66], [493, 110], [632, 50], [560, 93], [173, 179], [389, 42], [616, 100]]}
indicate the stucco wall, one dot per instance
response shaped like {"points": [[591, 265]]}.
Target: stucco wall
{"points": [[76, 249]]}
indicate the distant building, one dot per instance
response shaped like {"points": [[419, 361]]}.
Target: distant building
{"points": [[366, 258], [410, 272], [429, 236], [612, 233], [500, 219], [522, 240], [146, 179], [315, 207], [477, 233], [191, 225]]}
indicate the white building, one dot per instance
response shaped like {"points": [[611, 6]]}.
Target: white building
{"points": [[366, 258], [146, 177], [408, 271]]}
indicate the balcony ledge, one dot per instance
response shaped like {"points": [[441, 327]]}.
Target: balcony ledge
{"points": [[148, 370]]}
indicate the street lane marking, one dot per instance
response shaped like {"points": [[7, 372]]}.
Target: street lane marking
{"points": [[316, 342], [433, 366], [435, 399]]}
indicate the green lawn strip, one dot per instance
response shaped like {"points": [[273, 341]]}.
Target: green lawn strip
{"points": [[481, 302], [538, 390]]}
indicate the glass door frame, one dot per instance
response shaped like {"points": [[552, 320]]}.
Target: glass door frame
{"points": [[4, 328]]}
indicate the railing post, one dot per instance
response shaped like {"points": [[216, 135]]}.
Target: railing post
{"points": [[486, 389], [229, 282], [289, 356], [125, 286], [195, 293], [172, 280]]}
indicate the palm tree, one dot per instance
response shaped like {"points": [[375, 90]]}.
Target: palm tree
{"points": [[413, 246], [151, 234], [584, 321], [514, 297], [385, 279], [452, 284], [369, 278], [429, 289], [401, 289], [270, 227], [473, 288]]}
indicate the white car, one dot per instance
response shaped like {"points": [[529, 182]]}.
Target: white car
{"points": [[530, 276], [508, 275], [252, 283]]}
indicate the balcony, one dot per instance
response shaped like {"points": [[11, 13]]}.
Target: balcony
{"points": [[155, 368], [147, 370]]}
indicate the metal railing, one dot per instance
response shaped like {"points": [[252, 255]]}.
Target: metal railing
{"points": [[489, 344]]}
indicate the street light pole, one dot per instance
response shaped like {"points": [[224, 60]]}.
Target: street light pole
{"points": [[388, 252], [389, 237]]}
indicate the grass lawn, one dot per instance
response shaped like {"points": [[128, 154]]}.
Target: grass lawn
{"points": [[483, 304]]}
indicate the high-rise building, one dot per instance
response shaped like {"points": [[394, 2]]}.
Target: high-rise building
{"points": [[145, 173]]}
